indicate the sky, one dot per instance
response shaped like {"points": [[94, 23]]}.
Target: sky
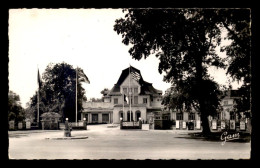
{"points": [[79, 37]]}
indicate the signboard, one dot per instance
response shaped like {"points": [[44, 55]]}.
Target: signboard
{"points": [[11, 124], [184, 125], [242, 125], [214, 124], [128, 124], [223, 125], [232, 124], [81, 124], [198, 124], [20, 125], [28, 125], [177, 124]]}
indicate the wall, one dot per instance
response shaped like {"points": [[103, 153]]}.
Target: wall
{"points": [[120, 100], [140, 100], [97, 105], [156, 103]]}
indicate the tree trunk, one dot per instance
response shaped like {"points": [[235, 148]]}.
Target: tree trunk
{"points": [[205, 124], [201, 97]]}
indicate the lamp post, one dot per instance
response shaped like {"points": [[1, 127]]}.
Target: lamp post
{"points": [[85, 123]]}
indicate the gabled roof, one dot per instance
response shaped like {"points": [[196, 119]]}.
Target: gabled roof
{"points": [[232, 94], [146, 87]]}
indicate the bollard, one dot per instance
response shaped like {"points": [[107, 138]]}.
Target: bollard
{"points": [[67, 130]]}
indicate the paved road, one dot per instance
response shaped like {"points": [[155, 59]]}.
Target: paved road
{"points": [[113, 143]]}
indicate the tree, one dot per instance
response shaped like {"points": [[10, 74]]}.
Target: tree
{"points": [[238, 25], [185, 42], [15, 110], [104, 91], [58, 91]]}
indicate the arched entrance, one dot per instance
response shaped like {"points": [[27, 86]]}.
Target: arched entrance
{"points": [[121, 115], [137, 115], [128, 116]]}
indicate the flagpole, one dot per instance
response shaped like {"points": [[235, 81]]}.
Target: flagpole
{"points": [[76, 92], [38, 99], [130, 92], [123, 104]]}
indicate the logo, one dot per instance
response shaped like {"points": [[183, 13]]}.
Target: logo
{"points": [[228, 137]]}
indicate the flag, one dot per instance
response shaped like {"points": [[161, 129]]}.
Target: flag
{"points": [[136, 76], [126, 98], [82, 76], [39, 80]]}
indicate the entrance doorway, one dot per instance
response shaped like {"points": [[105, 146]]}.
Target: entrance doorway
{"points": [[128, 116], [138, 115]]}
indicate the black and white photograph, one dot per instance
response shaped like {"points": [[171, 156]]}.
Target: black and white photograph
{"points": [[129, 83]]}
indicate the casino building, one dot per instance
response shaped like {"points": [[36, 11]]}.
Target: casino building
{"points": [[132, 93], [130, 98]]}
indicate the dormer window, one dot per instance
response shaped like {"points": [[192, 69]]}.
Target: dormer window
{"points": [[135, 90], [115, 100]]}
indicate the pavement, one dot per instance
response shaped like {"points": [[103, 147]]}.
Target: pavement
{"points": [[103, 142]]}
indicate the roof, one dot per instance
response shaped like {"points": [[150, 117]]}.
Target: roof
{"points": [[232, 94], [146, 87]]}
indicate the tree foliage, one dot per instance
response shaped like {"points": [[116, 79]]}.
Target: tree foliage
{"points": [[58, 92], [15, 110], [185, 41]]}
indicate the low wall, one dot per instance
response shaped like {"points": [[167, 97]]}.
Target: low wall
{"points": [[131, 125]]}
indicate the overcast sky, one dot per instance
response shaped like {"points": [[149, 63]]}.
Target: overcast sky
{"points": [[80, 37]]}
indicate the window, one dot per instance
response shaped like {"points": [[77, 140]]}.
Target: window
{"points": [[115, 100], [191, 116], [179, 116], [125, 90], [135, 90], [130, 90], [232, 116], [105, 118], [144, 100], [94, 117], [225, 102], [135, 99]]}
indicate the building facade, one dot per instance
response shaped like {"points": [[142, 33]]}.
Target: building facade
{"points": [[133, 93], [130, 93]]}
